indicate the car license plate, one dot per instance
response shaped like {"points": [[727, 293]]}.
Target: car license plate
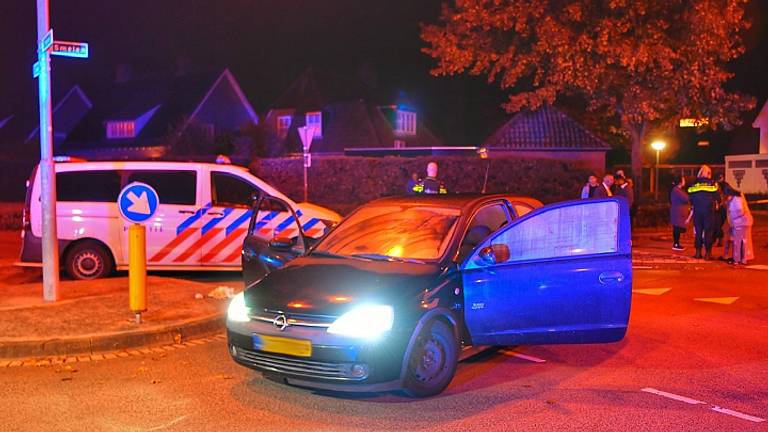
{"points": [[281, 345]]}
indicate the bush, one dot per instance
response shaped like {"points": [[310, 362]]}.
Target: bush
{"points": [[342, 183]]}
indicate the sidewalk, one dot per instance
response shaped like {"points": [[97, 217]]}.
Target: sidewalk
{"points": [[93, 316]]}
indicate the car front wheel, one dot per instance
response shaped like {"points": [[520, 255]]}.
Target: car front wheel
{"points": [[432, 362], [88, 260]]}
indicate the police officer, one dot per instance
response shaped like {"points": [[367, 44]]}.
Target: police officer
{"points": [[430, 184], [704, 196]]}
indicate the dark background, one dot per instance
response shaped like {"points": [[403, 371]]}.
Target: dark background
{"points": [[267, 44]]}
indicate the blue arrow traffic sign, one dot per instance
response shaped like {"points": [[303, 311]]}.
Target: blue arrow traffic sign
{"points": [[137, 202]]}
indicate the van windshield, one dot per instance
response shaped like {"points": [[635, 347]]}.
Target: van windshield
{"points": [[393, 232]]}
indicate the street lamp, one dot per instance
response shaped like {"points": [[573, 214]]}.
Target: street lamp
{"points": [[657, 145]]}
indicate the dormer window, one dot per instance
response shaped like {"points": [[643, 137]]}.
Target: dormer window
{"points": [[314, 119], [405, 122], [283, 124], [121, 129]]}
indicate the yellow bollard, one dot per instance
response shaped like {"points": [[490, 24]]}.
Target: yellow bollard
{"points": [[137, 270]]}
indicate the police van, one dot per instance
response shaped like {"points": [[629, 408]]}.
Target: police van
{"points": [[202, 217]]}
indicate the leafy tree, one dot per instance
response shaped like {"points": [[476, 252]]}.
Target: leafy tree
{"points": [[645, 62]]}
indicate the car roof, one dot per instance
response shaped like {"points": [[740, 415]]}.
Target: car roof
{"points": [[453, 200]]}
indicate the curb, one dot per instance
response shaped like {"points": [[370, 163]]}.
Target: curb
{"points": [[80, 345]]}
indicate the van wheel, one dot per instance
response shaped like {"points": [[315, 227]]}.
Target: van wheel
{"points": [[88, 260], [432, 362]]}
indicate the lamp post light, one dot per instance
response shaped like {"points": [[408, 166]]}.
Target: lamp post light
{"points": [[657, 145]]}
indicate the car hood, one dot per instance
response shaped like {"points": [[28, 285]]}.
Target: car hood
{"points": [[333, 285]]}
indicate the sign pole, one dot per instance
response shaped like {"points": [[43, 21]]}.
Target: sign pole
{"points": [[50, 244], [306, 134]]}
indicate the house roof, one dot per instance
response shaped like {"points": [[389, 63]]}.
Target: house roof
{"points": [[315, 89], [175, 97], [762, 117], [546, 129]]}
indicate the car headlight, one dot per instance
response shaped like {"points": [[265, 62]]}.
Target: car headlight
{"points": [[368, 322], [237, 311]]}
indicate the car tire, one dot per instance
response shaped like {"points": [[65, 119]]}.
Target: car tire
{"points": [[432, 362], [88, 260]]}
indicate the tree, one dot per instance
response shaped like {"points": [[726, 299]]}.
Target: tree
{"points": [[647, 63]]}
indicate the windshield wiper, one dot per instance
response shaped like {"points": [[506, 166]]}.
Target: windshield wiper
{"points": [[381, 257]]}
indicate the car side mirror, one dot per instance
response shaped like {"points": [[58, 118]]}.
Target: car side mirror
{"points": [[281, 243], [494, 254]]}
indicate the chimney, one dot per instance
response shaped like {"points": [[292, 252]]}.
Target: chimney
{"points": [[123, 73]]}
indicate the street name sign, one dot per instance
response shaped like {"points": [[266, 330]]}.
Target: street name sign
{"points": [[70, 49]]}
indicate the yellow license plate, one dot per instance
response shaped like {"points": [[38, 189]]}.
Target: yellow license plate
{"points": [[281, 345]]}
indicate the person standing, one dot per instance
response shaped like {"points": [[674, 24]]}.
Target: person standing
{"points": [[603, 190], [622, 188], [412, 182], [430, 184], [740, 220], [720, 212], [589, 189], [679, 210], [703, 195]]}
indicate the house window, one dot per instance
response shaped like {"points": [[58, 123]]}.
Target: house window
{"points": [[405, 122], [315, 120], [283, 124], [399, 144], [121, 129]]}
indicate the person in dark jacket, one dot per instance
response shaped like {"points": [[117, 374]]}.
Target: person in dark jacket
{"points": [[679, 210], [603, 190], [430, 184], [622, 188], [703, 196], [721, 212]]}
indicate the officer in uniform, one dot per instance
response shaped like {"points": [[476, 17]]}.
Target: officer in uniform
{"points": [[430, 184], [704, 195]]}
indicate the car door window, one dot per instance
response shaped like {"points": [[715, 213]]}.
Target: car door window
{"points": [[486, 221], [565, 231], [173, 187], [522, 209], [88, 186], [228, 190], [274, 219]]}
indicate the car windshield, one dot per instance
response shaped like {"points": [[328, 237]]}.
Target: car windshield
{"points": [[393, 232]]}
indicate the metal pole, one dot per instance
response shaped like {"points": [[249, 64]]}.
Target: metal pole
{"points": [[305, 177], [47, 168], [656, 187]]}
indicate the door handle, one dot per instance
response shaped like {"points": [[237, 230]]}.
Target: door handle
{"points": [[210, 213], [610, 277], [186, 211]]}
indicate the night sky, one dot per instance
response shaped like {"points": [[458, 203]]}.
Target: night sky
{"points": [[267, 44]]}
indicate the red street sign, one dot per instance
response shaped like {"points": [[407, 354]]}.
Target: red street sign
{"points": [[70, 49]]}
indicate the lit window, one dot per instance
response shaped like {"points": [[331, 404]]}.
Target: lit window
{"points": [[405, 122], [315, 120], [283, 124], [121, 129]]}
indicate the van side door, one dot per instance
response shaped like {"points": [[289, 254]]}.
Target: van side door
{"points": [[560, 274]]}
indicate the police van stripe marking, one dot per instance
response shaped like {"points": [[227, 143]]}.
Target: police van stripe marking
{"points": [[220, 246], [215, 221], [168, 248], [266, 219], [312, 222], [239, 221], [195, 248], [285, 224], [192, 219]]}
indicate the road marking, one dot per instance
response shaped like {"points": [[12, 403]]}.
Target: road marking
{"points": [[523, 356], [718, 300], [652, 291], [757, 267], [673, 396], [738, 414], [166, 425]]}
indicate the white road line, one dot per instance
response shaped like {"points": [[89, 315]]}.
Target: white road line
{"points": [[673, 396], [166, 425], [524, 356], [738, 414]]}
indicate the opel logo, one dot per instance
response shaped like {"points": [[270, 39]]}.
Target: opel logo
{"points": [[281, 322]]}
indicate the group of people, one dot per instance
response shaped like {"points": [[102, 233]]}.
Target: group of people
{"points": [[709, 204], [612, 185]]}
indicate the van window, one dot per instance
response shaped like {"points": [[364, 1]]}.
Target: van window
{"points": [[228, 190], [88, 186], [173, 187]]}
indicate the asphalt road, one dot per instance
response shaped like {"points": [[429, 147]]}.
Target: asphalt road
{"points": [[706, 357]]}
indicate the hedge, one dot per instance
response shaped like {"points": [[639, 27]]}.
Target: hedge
{"points": [[342, 183]]}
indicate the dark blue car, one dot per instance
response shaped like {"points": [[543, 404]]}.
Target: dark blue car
{"points": [[390, 296]]}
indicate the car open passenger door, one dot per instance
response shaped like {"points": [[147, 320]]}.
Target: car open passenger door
{"points": [[560, 274], [274, 238]]}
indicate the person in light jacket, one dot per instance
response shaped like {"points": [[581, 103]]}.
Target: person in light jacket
{"points": [[740, 221], [679, 210]]}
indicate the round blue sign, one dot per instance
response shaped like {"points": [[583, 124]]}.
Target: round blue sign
{"points": [[137, 202]]}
